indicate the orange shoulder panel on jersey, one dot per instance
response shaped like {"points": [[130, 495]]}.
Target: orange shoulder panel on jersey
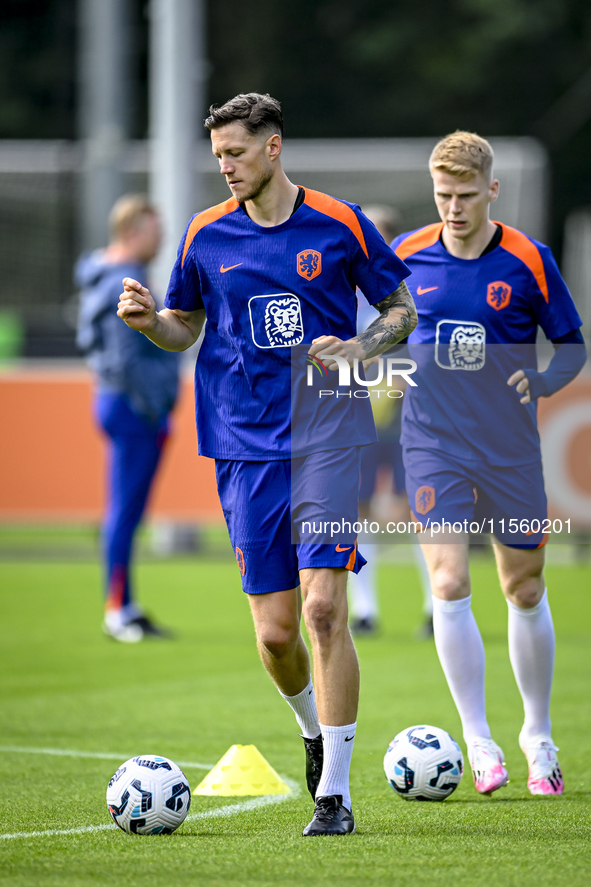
{"points": [[521, 246], [419, 240], [334, 208], [206, 218]]}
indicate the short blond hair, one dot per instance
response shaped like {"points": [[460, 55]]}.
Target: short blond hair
{"points": [[127, 214], [462, 154]]}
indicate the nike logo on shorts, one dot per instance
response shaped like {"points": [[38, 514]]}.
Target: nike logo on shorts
{"points": [[340, 548], [223, 270], [427, 289]]}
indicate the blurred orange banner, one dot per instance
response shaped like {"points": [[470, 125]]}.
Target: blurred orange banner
{"points": [[565, 432], [52, 455]]}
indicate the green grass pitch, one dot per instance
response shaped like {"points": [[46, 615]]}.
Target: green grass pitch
{"points": [[66, 687]]}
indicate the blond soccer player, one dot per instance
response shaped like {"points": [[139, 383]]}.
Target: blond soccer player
{"points": [[471, 445]]}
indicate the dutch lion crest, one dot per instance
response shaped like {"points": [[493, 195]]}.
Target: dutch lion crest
{"points": [[283, 321], [498, 294], [466, 348], [460, 345], [309, 263]]}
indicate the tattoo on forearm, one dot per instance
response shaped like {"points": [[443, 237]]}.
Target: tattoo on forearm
{"points": [[398, 318]]}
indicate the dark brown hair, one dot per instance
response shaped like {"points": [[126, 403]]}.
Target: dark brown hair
{"points": [[257, 113]]}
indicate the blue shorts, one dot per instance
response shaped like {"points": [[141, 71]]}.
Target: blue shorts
{"points": [[264, 501], [509, 502]]}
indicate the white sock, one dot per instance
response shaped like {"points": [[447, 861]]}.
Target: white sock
{"points": [[461, 654], [338, 745], [362, 586], [304, 708], [425, 581], [531, 650]]}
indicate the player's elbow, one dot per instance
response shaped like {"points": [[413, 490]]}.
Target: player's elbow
{"points": [[190, 324], [184, 346]]}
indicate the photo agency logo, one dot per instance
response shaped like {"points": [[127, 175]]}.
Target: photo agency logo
{"points": [[389, 369]]}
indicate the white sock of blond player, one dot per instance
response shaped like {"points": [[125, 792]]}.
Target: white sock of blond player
{"points": [[461, 653], [362, 586], [338, 745], [304, 707], [531, 650]]}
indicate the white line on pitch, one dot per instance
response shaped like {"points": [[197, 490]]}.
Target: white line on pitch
{"points": [[264, 801], [71, 753], [56, 832], [216, 813]]}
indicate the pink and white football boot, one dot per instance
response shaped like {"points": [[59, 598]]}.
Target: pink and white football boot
{"points": [[488, 765], [545, 775]]}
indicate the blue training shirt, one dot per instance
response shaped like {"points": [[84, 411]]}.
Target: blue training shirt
{"points": [[125, 362], [478, 320], [266, 291]]}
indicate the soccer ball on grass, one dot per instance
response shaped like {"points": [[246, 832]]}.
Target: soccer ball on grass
{"points": [[149, 795], [424, 764]]}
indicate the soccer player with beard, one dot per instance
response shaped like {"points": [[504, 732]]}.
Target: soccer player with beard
{"points": [[272, 268], [470, 439]]}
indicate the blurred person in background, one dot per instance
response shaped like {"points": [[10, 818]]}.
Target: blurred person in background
{"points": [[136, 388], [385, 456]]}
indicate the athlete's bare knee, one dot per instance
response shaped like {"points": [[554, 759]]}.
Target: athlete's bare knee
{"points": [[449, 585], [322, 616], [448, 567], [522, 577], [525, 592], [279, 640], [521, 573]]}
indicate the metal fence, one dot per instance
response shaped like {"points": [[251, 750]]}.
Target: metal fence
{"points": [[40, 197]]}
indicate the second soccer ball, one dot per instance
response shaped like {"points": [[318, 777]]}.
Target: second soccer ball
{"points": [[149, 795], [424, 764]]}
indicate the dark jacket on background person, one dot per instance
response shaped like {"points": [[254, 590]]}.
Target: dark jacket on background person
{"points": [[124, 361]]}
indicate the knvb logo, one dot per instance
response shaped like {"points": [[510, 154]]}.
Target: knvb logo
{"points": [[388, 369], [424, 499], [498, 294], [309, 263]]}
